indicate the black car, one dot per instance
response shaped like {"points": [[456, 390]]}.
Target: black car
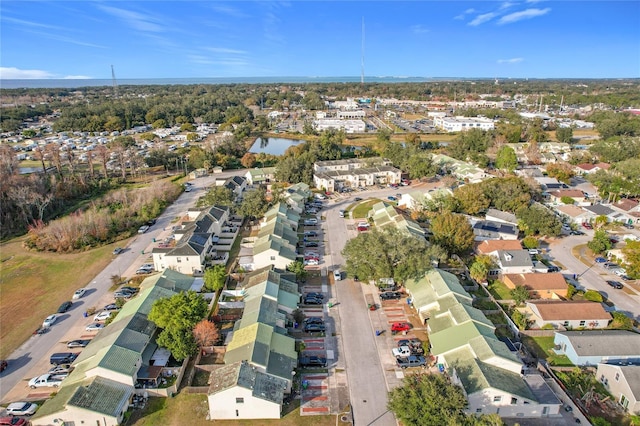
{"points": [[151, 222], [311, 328], [315, 294], [553, 269], [313, 320], [111, 307], [576, 233], [133, 290], [313, 361], [311, 244], [390, 295], [313, 301], [615, 284], [80, 343], [357, 199], [64, 307], [310, 234]]}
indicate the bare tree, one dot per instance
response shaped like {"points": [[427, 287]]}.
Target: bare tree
{"points": [[206, 333], [103, 154], [39, 154], [90, 163], [54, 151]]}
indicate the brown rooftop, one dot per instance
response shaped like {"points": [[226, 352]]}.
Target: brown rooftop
{"points": [[566, 310], [489, 246], [537, 282]]}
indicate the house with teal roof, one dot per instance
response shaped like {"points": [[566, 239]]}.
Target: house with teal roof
{"points": [[385, 215], [260, 175], [436, 290]]}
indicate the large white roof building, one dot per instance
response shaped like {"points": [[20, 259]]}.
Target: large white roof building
{"points": [[461, 124]]}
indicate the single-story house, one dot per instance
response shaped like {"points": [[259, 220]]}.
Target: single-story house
{"points": [[596, 346], [540, 286], [494, 215], [239, 391], [602, 210], [623, 382], [488, 230], [490, 246], [576, 195], [575, 214], [568, 314], [512, 262], [417, 200], [588, 168]]}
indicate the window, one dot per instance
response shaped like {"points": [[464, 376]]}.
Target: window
{"points": [[545, 411], [514, 401], [239, 400], [273, 258], [237, 413], [478, 410], [178, 259], [582, 323], [497, 398], [617, 377], [565, 324]]}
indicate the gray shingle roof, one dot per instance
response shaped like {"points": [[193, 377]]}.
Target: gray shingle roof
{"points": [[514, 258], [599, 209], [604, 342]]}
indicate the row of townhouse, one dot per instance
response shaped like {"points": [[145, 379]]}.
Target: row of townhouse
{"points": [[616, 353], [277, 238], [260, 356], [462, 170], [625, 211], [122, 359], [334, 175], [466, 347]]}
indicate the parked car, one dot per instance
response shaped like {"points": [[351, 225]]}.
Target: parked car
{"points": [[12, 421], [21, 408], [312, 301], [587, 225], [576, 233], [615, 284], [143, 229], [313, 320], [65, 307], [95, 326], [628, 225], [553, 268], [151, 222], [311, 262], [3, 365], [337, 275], [60, 369], [311, 221], [133, 290], [62, 358], [122, 295], [415, 345], [391, 198], [357, 199], [401, 351], [600, 260], [311, 244], [102, 316], [310, 234], [533, 252], [313, 361], [49, 321], [391, 295], [313, 328], [79, 343], [111, 307], [315, 294], [45, 381], [79, 293], [411, 361], [143, 271], [118, 250], [610, 265], [619, 272], [397, 327]]}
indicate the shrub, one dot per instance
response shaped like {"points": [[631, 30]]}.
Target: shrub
{"points": [[593, 296]]}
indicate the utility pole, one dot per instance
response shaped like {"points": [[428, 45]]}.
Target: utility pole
{"points": [[113, 80]]}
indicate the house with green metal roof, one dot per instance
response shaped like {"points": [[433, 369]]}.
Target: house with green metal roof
{"points": [[417, 200], [273, 250], [94, 400], [271, 284], [296, 195], [385, 215], [260, 175], [241, 391]]}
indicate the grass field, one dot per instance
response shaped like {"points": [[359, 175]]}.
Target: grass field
{"points": [[361, 210], [174, 411], [499, 290], [542, 347], [49, 279]]}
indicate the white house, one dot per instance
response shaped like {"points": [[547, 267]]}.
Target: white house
{"points": [[513, 261], [354, 173], [568, 314], [623, 382], [239, 391], [596, 346]]}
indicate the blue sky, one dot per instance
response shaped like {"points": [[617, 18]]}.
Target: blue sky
{"points": [[182, 39]]}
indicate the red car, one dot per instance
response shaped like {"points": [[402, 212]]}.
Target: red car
{"points": [[398, 327], [587, 225], [12, 421]]}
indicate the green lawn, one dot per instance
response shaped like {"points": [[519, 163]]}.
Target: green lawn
{"points": [[542, 347], [360, 211], [499, 290]]}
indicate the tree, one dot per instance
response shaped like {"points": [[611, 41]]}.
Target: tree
{"points": [[297, 268], [472, 200], [520, 294], [254, 203], [214, 278], [593, 296], [480, 267], [621, 321], [520, 320], [428, 400], [248, 160], [177, 316], [389, 253], [564, 134], [561, 171], [632, 258], [506, 159], [600, 242], [217, 196], [530, 242], [537, 219], [452, 232], [206, 333], [567, 200]]}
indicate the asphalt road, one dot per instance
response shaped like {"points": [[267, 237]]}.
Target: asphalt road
{"points": [[32, 358], [592, 276]]}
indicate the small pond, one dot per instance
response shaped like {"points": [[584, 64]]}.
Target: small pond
{"points": [[274, 146]]}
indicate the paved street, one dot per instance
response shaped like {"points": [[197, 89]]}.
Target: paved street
{"points": [[32, 358]]}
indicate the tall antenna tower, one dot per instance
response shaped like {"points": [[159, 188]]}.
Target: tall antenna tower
{"points": [[362, 59], [115, 83]]}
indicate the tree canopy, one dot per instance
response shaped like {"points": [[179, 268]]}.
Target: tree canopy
{"points": [[254, 203], [177, 316], [506, 159], [452, 232], [536, 219], [600, 242], [217, 196], [389, 253], [214, 278]]}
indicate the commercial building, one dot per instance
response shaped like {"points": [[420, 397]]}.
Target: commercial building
{"points": [[349, 126], [462, 124]]}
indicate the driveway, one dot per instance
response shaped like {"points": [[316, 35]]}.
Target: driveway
{"points": [[32, 358]]}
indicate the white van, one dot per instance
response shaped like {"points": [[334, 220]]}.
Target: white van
{"points": [[337, 275]]}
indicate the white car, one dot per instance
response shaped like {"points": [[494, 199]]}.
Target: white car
{"points": [[311, 262], [337, 275], [21, 408], [94, 326], [45, 381], [402, 351], [79, 293], [102, 316], [143, 229], [50, 320]]}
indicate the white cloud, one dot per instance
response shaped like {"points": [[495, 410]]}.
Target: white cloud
{"points": [[419, 29], [524, 14], [510, 61], [506, 5], [10, 73], [135, 20], [481, 19], [22, 22], [227, 10], [226, 50], [463, 14]]}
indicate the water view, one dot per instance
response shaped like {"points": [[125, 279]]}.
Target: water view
{"points": [[274, 146]]}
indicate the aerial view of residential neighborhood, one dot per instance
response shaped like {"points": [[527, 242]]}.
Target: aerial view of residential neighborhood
{"points": [[250, 249]]}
